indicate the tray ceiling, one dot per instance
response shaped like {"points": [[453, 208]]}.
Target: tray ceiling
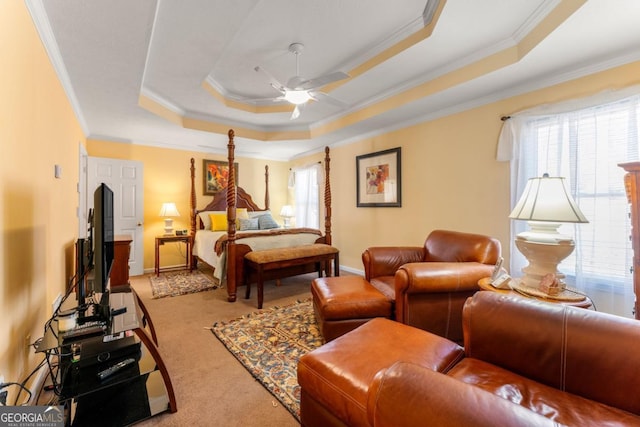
{"points": [[179, 74]]}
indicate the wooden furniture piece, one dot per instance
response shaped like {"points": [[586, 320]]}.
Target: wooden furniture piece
{"points": [[485, 285], [632, 187], [120, 269], [161, 240], [286, 262], [234, 197]]}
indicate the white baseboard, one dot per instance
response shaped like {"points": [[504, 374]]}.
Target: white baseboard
{"points": [[352, 270]]}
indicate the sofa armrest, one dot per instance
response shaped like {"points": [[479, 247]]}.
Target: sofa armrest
{"points": [[385, 260], [424, 277], [409, 395], [568, 348]]}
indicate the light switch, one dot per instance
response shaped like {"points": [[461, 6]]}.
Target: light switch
{"points": [[57, 171]]}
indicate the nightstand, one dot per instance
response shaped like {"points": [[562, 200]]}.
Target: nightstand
{"points": [[161, 240]]}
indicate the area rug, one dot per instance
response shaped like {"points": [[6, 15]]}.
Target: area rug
{"points": [[269, 344], [174, 283]]}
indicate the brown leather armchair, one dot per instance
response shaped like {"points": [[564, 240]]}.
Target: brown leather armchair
{"points": [[429, 284]]}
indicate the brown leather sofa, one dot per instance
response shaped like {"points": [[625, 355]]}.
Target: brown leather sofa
{"points": [[524, 363], [429, 284]]}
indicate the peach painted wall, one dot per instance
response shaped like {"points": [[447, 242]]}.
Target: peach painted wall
{"points": [[450, 178], [38, 130], [167, 178]]}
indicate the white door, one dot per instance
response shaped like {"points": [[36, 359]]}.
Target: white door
{"points": [[124, 178], [83, 210]]}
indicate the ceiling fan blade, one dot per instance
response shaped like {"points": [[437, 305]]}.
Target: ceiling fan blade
{"points": [[273, 81], [263, 100], [323, 80], [323, 97]]}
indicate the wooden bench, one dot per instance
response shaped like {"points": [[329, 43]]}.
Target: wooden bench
{"points": [[286, 262]]}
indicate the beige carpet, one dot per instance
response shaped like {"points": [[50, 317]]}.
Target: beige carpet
{"points": [[212, 388]]}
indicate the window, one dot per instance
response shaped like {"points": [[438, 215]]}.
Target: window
{"points": [[307, 196], [585, 146]]}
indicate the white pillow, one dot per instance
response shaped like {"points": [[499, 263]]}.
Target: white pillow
{"points": [[256, 214]]}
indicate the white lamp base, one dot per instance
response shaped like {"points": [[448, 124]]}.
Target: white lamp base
{"points": [[168, 226], [543, 258], [287, 222]]}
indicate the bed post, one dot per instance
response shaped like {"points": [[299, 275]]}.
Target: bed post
{"points": [[232, 279], [266, 187], [327, 197]]}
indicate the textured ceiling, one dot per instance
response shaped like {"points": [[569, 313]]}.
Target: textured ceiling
{"points": [[179, 74]]}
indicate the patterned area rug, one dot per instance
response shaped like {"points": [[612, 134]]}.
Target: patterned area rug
{"points": [[174, 283], [269, 344]]}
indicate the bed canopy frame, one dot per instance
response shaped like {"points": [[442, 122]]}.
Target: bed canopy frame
{"points": [[233, 197]]}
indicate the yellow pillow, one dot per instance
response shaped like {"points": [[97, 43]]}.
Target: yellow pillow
{"points": [[218, 222]]}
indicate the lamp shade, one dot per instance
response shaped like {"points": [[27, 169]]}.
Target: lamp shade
{"points": [[547, 199], [168, 210], [286, 211]]}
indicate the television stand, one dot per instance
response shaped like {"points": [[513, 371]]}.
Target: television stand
{"points": [[138, 391]]}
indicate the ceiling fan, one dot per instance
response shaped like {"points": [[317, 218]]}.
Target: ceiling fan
{"points": [[299, 90]]}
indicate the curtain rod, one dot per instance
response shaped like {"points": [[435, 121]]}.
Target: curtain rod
{"points": [[505, 118], [318, 163]]}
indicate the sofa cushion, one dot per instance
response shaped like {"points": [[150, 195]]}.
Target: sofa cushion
{"points": [[348, 297], [560, 406], [338, 374], [386, 286], [454, 246]]}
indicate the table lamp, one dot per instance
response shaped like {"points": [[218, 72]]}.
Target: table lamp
{"points": [[545, 203], [167, 211], [287, 213]]}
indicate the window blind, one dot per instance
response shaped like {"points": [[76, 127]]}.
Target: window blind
{"points": [[585, 146]]}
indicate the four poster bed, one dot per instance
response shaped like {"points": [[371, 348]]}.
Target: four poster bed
{"points": [[225, 249]]}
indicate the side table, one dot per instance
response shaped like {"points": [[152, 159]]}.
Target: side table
{"points": [[485, 285], [161, 240]]}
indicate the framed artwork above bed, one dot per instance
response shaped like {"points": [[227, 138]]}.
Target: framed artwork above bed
{"points": [[215, 175], [378, 177]]}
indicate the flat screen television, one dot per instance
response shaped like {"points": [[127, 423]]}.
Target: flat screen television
{"points": [[103, 238]]}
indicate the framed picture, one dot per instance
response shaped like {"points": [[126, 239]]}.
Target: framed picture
{"points": [[378, 179], [215, 175]]}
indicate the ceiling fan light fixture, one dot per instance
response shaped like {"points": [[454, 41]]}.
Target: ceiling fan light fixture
{"points": [[297, 97]]}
